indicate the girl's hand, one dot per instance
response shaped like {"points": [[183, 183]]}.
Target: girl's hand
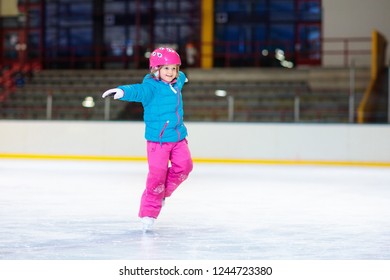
{"points": [[116, 92]]}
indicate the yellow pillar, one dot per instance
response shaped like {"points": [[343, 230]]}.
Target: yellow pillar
{"points": [[207, 34], [9, 8]]}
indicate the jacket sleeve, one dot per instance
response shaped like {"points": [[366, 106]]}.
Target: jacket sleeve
{"points": [[137, 93], [182, 79]]}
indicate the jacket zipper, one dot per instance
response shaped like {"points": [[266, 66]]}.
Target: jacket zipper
{"points": [[177, 114], [163, 130]]}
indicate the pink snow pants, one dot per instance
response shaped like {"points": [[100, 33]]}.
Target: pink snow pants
{"points": [[163, 179]]}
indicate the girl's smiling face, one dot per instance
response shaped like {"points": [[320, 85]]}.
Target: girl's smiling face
{"points": [[168, 72]]}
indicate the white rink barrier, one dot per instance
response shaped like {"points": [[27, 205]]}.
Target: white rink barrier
{"points": [[210, 142]]}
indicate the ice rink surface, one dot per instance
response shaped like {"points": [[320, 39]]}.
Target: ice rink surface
{"points": [[75, 210]]}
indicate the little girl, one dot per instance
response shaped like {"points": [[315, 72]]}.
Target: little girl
{"points": [[160, 95]]}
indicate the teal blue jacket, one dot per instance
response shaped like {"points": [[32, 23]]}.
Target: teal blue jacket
{"points": [[163, 107]]}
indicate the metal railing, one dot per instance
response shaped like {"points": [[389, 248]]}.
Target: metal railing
{"points": [[226, 106]]}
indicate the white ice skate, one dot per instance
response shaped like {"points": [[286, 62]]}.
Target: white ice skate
{"points": [[147, 223]]}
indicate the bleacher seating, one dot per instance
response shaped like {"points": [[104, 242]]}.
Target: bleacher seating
{"points": [[260, 95]]}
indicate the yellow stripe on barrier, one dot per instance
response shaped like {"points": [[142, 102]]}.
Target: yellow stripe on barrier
{"points": [[294, 162], [71, 157], [200, 160]]}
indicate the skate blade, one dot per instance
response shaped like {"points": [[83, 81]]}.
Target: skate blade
{"points": [[146, 229]]}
